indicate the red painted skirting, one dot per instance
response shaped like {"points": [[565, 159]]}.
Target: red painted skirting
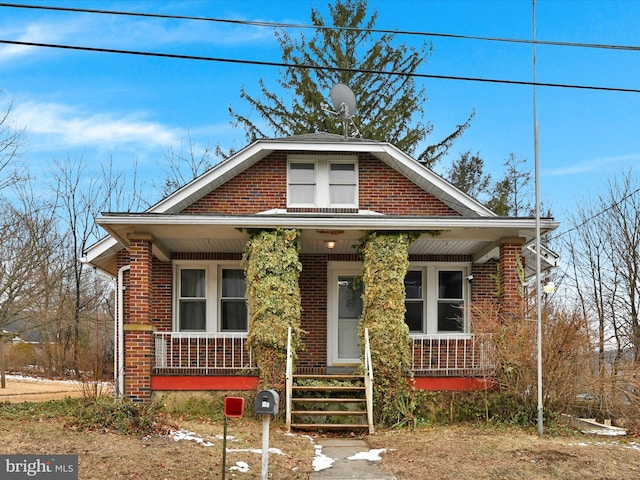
{"points": [[209, 382], [238, 382], [452, 384]]}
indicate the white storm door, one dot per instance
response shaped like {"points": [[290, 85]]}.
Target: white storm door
{"points": [[344, 318]]}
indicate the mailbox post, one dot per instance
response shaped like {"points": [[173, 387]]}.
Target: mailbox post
{"points": [[233, 407], [267, 404]]}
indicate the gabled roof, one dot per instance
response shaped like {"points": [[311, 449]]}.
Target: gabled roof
{"points": [[322, 142], [474, 230]]}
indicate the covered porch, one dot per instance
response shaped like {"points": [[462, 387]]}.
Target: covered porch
{"points": [[219, 361]]}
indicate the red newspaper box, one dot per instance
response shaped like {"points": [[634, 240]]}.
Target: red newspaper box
{"points": [[233, 407]]}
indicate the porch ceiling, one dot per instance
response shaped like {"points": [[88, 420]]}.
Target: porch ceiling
{"points": [[476, 237]]}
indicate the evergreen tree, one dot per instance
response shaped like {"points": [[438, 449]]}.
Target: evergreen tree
{"points": [[511, 196], [390, 107], [467, 174]]}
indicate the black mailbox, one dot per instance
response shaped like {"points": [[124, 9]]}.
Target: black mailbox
{"points": [[267, 402]]}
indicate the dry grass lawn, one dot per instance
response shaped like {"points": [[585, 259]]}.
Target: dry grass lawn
{"points": [[464, 452]]}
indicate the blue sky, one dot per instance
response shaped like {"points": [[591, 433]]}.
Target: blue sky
{"points": [[119, 108]]}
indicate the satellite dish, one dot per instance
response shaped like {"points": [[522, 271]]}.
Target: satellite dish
{"points": [[344, 100]]}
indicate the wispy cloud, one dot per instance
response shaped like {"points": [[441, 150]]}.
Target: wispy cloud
{"points": [[63, 127], [34, 32], [121, 32], [592, 165]]}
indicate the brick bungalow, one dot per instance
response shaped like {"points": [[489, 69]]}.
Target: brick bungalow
{"points": [[182, 317]]}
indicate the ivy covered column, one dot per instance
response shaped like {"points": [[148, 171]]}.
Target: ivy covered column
{"points": [[272, 269], [385, 265]]}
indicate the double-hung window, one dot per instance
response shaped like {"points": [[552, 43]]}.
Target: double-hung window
{"points": [[327, 182], [414, 301], [210, 297], [192, 300], [450, 301], [435, 299], [233, 305], [302, 183]]}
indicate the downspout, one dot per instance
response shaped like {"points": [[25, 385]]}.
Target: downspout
{"points": [[119, 332]]}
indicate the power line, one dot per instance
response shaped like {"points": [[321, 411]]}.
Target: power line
{"points": [[316, 67], [597, 214], [323, 27]]}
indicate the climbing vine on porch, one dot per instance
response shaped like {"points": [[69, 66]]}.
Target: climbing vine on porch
{"points": [[272, 269], [385, 265]]}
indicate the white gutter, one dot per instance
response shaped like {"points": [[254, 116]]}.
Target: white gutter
{"points": [[381, 222], [118, 362]]}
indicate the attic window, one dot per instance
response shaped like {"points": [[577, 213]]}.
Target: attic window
{"points": [[330, 182]]}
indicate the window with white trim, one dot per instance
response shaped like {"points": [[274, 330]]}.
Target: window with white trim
{"points": [[329, 182], [192, 300], [436, 299], [210, 297], [450, 301], [233, 304]]}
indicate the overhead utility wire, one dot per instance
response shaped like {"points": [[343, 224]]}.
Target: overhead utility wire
{"points": [[315, 67], [597, 214], [323, 27]]}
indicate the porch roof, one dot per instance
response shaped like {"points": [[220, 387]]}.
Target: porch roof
{"points": [[476, 237]]}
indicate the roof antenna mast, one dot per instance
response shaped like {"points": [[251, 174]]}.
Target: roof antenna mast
{"points": [[344, 104]]}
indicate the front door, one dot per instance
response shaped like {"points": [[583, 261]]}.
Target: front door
{"points": [[344, 317]]}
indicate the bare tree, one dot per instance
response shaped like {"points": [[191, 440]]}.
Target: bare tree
{"points": [[25, 232], [605, 251], [183, 166], [10, 144], [82, 194], [10, 259]]}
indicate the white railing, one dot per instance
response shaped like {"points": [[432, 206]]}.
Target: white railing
{"points": [[202, 351], [289, 381], [368, 380], [452, 354]]}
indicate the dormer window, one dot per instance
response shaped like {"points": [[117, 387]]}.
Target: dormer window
{"points": [[329, 182]]}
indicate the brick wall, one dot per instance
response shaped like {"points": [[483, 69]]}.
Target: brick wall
{"points": [[313, 290], [384, 190], [483, 285], [138, 331], [263, 186], [161, 305], [511, 283]]}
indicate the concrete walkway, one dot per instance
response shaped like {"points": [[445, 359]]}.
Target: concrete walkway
{"points": [[340, 449]]}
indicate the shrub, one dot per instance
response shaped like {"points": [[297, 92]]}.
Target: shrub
{"points": [[384, 267], [565, 357], [115, 415], [272, 269]]}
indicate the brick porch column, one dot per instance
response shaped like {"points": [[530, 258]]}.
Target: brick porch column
{"points": [[511, 281], [138, 331]]}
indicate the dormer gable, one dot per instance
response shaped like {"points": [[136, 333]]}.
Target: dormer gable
{"points": [[321, 173]]}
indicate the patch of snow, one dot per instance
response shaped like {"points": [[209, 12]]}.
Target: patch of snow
{"points": [[373, 455], [321, 461], [242, 467], [24, 378], [179, 435], [630, 445], [606, 432]]}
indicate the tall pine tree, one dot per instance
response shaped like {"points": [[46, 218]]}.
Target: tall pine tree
{"points": [[390, 107]]}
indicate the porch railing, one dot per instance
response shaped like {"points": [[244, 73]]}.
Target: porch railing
{"points": [[368, 380], [202, 352], [452, 355]]}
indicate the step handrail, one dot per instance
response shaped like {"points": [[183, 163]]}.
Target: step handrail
{"points": [[368, 379], [289, 381]]}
